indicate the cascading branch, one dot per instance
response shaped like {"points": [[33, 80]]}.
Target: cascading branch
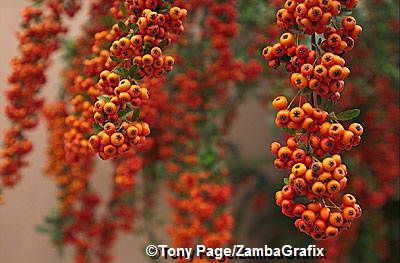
{"points": [[39, 38], [315, 135], [135, 53]]}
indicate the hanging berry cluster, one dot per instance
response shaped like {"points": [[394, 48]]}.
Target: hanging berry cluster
{"points": [[136, 52], [199, 177], [42, 25], [315, 135]]}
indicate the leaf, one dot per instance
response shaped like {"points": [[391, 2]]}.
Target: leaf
{"points": [[85, 96], [319, 99], [107, 20], [307, 90], [136, 29], [348, 115], [129, 106], [133, 70], [136, 115], [104, 97], [286, 181], [42, 229], [123, 114], [332, 115], [163, 43], [115, 59], [289, 131], [148, 45], [328, 105], [123, 72], [87, 136], [134, 26], [302, 146], [122, 26], [97, 127], [118, 70], [123, 9]]}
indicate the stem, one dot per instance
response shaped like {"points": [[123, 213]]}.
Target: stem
{"points": [[313, 46], [291, 102]]}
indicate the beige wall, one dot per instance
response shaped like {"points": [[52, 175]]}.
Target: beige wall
{"points": [[33, 198]]}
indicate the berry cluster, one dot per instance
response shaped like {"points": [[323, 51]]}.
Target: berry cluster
{"points": [[324, 74], [135, 53], [342, 39], [150, 35], [318, 220], [316, 137], [311, 15], [40, 37]]}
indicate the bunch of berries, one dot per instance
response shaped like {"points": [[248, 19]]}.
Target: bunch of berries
{"points": [[318, 220], [135, 53], [325, 74], [311, 16], [316, 138]]}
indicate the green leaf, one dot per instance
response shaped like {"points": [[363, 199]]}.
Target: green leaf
{"points": [[136, 115], [134, 26], [302, 145], [85, 96], [307, 90], [125, 72], [122, 26], [348, 115], [289, 131], [97, 127], [163, 43], [42, 229], [319, 99], [148, 45], [122, 72], [87, 136], [129, 106], [104, 97], [328, 105], [286, 181], [115, 59], [123, 9], [332, 115], [136, 29], [123, 114], [133, 70], [108, 20]]}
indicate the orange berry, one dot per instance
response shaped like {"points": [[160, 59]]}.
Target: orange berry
{"points": [[299, 169], [329, 164], [297, 114], [331, 231], [349, 213], [336, 219], [356, 129], [147, 60], [348, 200], [333, 187], [308, 216], [318, 188], [175, 13], [124, 85], [280, 103], [275, 146], [109, 128], [287, 39], [117, 139], [110, 108]]}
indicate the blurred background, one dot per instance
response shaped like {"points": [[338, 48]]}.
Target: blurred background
{"points": [[374, 166]]}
